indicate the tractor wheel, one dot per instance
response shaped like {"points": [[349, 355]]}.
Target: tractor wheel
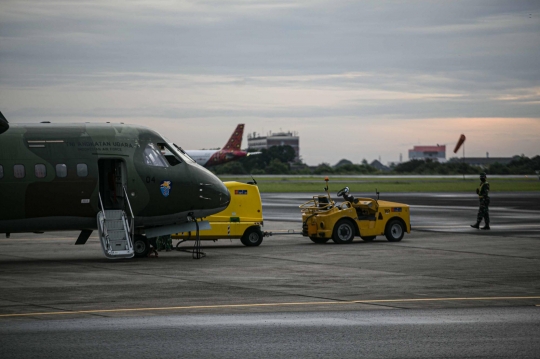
{"points": [[252, 237], [368, 238], [141, 246], [394, 230], [343, 232], [319, 240]]}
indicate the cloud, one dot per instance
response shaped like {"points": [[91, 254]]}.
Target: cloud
{"points": [[385, 69]]}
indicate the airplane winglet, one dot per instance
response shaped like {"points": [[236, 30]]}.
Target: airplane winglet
{"points": [[4, 124], [235, 141]]}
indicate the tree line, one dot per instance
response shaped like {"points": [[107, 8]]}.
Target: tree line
{"points": [[281, 160], [520, 165]]}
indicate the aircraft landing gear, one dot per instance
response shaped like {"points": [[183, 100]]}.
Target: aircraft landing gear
{"points": [[141, 246]]}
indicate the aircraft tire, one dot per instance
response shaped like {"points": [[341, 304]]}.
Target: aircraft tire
{"points": [[141, 246], [395, 229], [252, 237], [343, 232], [319, 240], [368, 238]]}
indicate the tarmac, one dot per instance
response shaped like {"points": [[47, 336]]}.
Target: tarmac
{"points": [[443, 266], [445, 290]]}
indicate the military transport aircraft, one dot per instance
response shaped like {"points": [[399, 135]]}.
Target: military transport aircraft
{"points": [[128, 182], [230, 152]]}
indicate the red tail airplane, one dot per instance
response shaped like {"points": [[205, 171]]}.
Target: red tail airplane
{"points": [[230, 152]]}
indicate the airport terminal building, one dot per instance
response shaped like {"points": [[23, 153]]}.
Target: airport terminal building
{"points": [[435, 153], [257, 142]]}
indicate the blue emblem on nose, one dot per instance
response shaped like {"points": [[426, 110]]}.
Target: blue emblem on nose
{"points": [[165, 187]]}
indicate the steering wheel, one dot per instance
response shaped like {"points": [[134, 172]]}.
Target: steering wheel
{"points": [[343, 191]]}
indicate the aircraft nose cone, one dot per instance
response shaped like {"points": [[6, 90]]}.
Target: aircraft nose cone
{"points": [[213, 195], [223, 194]]}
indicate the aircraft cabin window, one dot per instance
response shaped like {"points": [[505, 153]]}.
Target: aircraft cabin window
{"points": [[82, 170], [61, 170], [1, 171], [18, 171], [153, 157], [40, 171]]}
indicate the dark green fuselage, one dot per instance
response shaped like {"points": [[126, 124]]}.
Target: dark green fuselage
{"points": [[51, 176]]}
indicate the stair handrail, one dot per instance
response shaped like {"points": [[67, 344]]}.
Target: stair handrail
{"points": [[102, 208], [105, 231], [132, 224], [129, 203]]}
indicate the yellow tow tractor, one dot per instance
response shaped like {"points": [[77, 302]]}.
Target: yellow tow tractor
{"points": [[323, 219], [241, 219]]}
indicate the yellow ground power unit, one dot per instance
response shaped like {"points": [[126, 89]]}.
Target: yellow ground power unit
{"points": [[242, 219]]}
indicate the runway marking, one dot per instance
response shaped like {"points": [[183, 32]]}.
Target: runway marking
{"points": [[254, 305]]}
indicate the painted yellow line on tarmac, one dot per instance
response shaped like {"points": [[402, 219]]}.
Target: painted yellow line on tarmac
{"points": [[254, 305], [440, 299]]}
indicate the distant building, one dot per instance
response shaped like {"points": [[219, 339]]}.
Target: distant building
{"points": [[258, 142], [436, 153]]}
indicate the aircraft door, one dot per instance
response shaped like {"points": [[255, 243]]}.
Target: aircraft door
{"points": [[112, 179], [115, 231]]}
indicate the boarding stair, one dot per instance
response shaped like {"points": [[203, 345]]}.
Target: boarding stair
{"points": [[115, 232]]}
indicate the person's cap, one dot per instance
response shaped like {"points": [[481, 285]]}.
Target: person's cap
{"points": [[483, 175]]}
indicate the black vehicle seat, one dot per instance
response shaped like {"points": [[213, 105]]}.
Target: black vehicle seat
{"points": [[323, 201]]}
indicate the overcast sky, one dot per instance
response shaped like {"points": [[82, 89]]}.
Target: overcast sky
{"points": [[356, 79]]}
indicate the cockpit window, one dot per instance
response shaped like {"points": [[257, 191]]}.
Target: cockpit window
{"points": [[169, 154], [153, 156], [176, 153], [184, 154]]}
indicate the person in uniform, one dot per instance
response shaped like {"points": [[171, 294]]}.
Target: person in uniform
{"points": [[164, 242], [483, 210]]}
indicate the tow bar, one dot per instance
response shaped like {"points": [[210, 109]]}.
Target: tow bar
{"points": [[281, 233]]}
